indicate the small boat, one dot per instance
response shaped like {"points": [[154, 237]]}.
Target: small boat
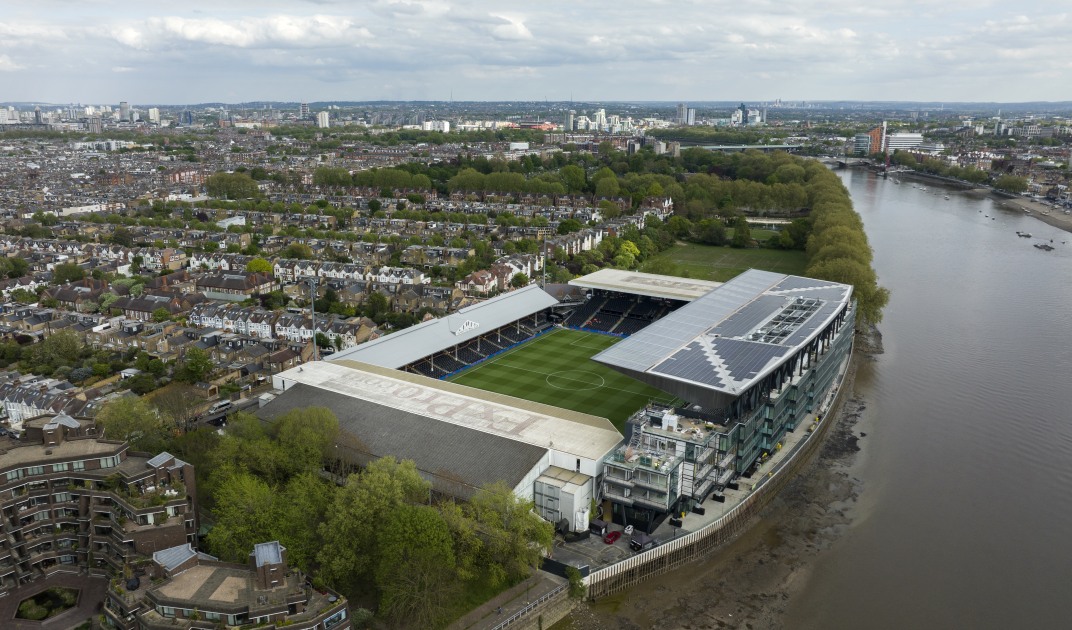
{"points": [[945, 197], [1046, 247], [1024, 234]]}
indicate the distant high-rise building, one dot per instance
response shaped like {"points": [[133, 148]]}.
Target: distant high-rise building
{"points": [[682, 113], [600, 119], [690, 116], [187, 118], [95, 125], [570, 123], [322, 120], [154, 115], [303, 111], [124, 111], [38, 116]]}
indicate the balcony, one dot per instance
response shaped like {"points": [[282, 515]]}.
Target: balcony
{"points": [[660, 503]]}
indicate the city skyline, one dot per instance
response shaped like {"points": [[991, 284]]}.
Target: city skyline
{"points": [[103, 51]]}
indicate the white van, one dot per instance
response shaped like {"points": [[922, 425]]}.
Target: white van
{"points": [[223, 405]]}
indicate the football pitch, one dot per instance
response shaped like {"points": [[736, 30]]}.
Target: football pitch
{"points": [[556, 369]]}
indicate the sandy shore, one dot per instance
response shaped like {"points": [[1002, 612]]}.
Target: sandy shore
{"points": [[1054, 216], [748, 584]]}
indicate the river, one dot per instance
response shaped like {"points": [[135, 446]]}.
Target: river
{"points": [[964, 516], [960, 509]]}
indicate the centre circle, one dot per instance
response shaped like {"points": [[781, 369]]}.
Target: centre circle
{"points": [[575, 380]]}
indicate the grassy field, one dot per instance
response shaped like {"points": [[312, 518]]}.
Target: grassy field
{"points": [[556, 370], [706, 262]]}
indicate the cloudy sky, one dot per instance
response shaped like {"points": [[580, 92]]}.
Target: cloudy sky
{"points": [[189, 51]]}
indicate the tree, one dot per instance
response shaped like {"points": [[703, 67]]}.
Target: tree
{"points": [[573, 177], [1011, 183], [742, 233], [567, 226], [196, 366], [178, 402], [376, 305], [306, 436], [132, 419], [354, 524], [245, 516], [231, 186], [67, 272], [161, 315], [259, 265], [141, 384], [415, 572], [519, 280], [515, 537], [303, 505], [298, 250]]}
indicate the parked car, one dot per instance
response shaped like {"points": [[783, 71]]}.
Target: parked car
{"points": [[642, 542], [612, 537]]}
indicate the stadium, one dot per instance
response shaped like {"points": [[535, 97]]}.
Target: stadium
{"points": [[639, 397]]}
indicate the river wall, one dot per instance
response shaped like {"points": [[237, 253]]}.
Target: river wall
{"points": [[698, 544]]}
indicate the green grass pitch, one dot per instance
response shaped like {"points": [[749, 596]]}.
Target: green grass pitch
{"points": [[556, 369]]}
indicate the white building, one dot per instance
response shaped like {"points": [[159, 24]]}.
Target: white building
{"points": [[436, 125], [322, 120], [895, 141]]}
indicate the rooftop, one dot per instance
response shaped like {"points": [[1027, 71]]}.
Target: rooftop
{"points": [[416, 342], [544, 426], [735, 334], [648, 284]]}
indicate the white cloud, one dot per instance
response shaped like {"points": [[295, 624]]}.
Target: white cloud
{"points": [[287, 31], [8, 65], [513, 29], [633, 49]]}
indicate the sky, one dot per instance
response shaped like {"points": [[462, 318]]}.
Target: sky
{"points": [[193, 51]]}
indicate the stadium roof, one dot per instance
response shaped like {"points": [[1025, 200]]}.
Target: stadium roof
{"points": [[649, 284], [734, 335], [369, 394], [427, 338]]}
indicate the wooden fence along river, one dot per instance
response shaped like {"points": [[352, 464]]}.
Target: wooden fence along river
{"points": [[698, 544]]}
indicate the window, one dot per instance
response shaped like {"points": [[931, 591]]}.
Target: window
{"points": [[14, 475], [165, 611], [109, 462], [334, 620], [34, 470], [60, 467], [79, 465]]}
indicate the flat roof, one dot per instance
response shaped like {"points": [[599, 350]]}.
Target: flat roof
{"points": [[648, 284], [734, 335], [435, 335], [524, 421], [23, 454]]}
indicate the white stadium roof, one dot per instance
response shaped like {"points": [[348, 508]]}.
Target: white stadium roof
{"points": [[416, 342], [733, 336], [535, 424], [648, 284]]}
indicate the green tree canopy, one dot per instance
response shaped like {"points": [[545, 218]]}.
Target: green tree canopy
{"points": [[259, 265], [131, 418], [67, 272]]}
